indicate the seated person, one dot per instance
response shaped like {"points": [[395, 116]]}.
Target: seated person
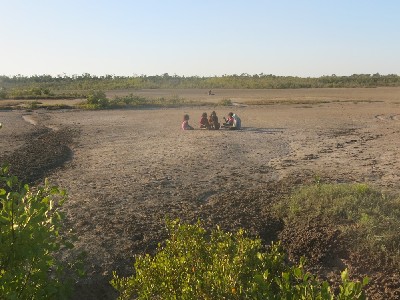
{"points": [[204, 122], [237, 122], [213, 121], [228, 122], [185, 123], [233, 122]]}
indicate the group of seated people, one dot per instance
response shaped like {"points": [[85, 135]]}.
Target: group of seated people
{"points": [[233, 122]]}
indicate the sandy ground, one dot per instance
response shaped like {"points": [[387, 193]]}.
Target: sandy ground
{"points": [[127, 170]]}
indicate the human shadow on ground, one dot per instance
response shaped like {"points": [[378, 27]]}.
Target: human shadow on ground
{"points": [[249, 129], [263, 130]]}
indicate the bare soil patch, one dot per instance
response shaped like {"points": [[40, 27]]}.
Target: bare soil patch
{"points": [[127, 170]]}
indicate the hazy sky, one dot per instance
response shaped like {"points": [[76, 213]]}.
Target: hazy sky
{"points": [[199, 37]]}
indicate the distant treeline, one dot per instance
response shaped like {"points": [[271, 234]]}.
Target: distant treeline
{"points": [[48, 84]]}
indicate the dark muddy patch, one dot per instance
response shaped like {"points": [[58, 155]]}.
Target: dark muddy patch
{"points": [[43, 151]]}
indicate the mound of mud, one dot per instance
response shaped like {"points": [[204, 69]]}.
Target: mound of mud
{"points": [[43, 151]]}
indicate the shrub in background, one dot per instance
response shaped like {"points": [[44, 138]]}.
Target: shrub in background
{"points": [[97, 99], [225, 102], [3, 93]]}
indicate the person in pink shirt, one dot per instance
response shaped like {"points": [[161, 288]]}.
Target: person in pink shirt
{"points": [[233, 122], [228, 122], [185, 123]]}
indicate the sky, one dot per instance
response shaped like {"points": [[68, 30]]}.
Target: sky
{"points": [[306, 38]]}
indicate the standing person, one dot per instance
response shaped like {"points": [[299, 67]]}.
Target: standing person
{"points": [[185, 123], [213, 121], [204, 121]]}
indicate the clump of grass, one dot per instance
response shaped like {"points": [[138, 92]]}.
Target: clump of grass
{"points": [[366, 216], [225, 102], [32, 104], [129, 100], [173, 101]]}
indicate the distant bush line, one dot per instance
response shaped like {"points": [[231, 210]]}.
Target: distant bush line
{"points": [[36, 93], [99, 100], [41, 85]]}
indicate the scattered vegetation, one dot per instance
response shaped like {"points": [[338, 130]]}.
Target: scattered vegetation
{"points": [[225, 102], [138, 101], [33, 92], [3, 93], [76, 86], [98, 100], [32, 104], [366, 217], [196, 265], [89, 87], [30, 224]]}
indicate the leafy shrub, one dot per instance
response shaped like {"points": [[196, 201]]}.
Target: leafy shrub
{"points": [[97, 99], [30, 223], [196, 265], [225, 102]]}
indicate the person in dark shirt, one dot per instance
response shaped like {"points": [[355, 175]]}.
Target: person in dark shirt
{"points": [[213, 121], [204, 122]]}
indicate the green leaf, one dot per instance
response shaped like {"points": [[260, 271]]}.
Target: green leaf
{"points": [[365, 281], [345, 275], [286, 276], [4, 219], [297, 273]]}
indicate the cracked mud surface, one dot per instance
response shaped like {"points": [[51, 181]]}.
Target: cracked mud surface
{"points": [[127, 170]]}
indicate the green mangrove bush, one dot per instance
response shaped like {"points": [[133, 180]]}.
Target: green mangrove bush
{"points": [[194, 264], [97, 99], [30, 224]]}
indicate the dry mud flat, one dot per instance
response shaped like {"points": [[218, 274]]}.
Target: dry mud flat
{"points": [[127, 170]]}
